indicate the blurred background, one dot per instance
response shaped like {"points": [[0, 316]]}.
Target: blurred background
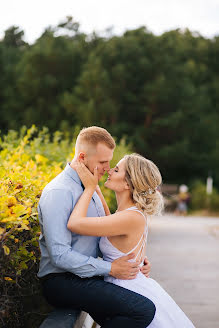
{"points": [[147, 72]]}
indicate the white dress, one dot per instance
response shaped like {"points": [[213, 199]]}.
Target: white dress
{"points": [[168, 313]]}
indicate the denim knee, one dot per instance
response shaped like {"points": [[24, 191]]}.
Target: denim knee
{"points": [[145, 311], [150, 312]]}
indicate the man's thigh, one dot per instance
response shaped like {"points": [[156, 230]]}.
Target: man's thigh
{"points": [[95, 296]]}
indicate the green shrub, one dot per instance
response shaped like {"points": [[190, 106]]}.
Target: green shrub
{"points": [[200, 200], [198, 196], [214, 201]]}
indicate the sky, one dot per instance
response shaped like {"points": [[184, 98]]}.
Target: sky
{"points": [[157, 15]]}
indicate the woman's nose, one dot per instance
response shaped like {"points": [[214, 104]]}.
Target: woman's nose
{"points": [[109, 171]]}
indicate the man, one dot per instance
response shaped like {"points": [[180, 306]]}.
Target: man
{"points": [[71, 273]]}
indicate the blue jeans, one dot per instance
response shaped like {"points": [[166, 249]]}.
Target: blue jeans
{"points": [[109, 305]]}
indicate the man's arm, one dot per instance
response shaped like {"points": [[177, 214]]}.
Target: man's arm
{"points": [[56, 207]]}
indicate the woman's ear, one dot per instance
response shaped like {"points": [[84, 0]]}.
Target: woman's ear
{"points": [[127, 187]]}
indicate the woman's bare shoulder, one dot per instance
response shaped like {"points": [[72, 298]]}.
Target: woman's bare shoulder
{"points": [[134, 216]]}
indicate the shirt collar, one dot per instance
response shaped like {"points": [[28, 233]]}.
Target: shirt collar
{"points": [[72, 173]]}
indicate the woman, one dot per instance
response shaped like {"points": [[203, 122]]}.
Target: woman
{"points": [[135, 181]]}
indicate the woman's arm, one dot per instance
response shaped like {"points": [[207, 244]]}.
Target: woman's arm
{"points": [[105, 206], [120, 223]]}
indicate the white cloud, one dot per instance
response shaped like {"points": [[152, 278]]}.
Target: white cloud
{"points": [[157, 15]]}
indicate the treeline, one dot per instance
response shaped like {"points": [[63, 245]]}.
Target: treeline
{"points": [[160, 92]]}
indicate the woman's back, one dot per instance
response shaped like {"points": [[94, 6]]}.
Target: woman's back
{"points": [[168, 313], [135, 242]]}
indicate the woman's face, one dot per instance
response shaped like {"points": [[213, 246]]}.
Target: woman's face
{"points": [[116, 177]]}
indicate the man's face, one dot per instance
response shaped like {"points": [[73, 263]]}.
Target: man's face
{"points": [[100, 158]]}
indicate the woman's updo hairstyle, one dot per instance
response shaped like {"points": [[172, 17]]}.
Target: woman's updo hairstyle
{"points": [[143, 178]]}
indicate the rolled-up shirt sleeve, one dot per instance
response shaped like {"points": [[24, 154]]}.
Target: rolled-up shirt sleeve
{"points": [[56, 207]]}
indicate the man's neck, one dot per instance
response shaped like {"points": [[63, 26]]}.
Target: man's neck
{"points": [[72, 164]]}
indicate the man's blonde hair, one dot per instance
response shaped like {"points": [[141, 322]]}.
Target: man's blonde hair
{"points": [[93, 135]]}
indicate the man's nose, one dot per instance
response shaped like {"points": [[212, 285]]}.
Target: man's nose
{"points": [[107, 168]]}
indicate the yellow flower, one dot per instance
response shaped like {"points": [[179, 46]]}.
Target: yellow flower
{"points": [[11, 201], [41, 159], [2, 230], [8, 279], [6, 250]]}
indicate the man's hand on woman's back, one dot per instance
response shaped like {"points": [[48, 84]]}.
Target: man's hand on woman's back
{"points": [[123, 269], [146, 268]]}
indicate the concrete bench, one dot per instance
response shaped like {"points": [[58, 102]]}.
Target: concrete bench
{"points": [[85, 321], [65, 318]]}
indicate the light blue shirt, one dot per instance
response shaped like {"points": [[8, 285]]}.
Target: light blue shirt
{"points": [[61, 249]]}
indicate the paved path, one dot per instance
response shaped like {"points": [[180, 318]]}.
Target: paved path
{"points": [[184, 253]]}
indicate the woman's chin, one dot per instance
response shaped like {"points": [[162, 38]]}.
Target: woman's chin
{"points": [[107, 184]]}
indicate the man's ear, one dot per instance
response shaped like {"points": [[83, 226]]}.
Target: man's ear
{"points": [[81, 157]]}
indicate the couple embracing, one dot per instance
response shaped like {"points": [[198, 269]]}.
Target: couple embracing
{"points": [[77, 229]]}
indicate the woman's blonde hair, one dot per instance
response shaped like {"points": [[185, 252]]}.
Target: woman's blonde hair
{"points": [[144, 177]]}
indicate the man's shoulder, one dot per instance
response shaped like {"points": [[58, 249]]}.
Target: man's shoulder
{"points": [[62, 183], [57, 187]]}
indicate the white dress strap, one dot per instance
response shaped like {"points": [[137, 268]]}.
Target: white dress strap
{"points": [[143, 238], [134, 248], [141, 250]]}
